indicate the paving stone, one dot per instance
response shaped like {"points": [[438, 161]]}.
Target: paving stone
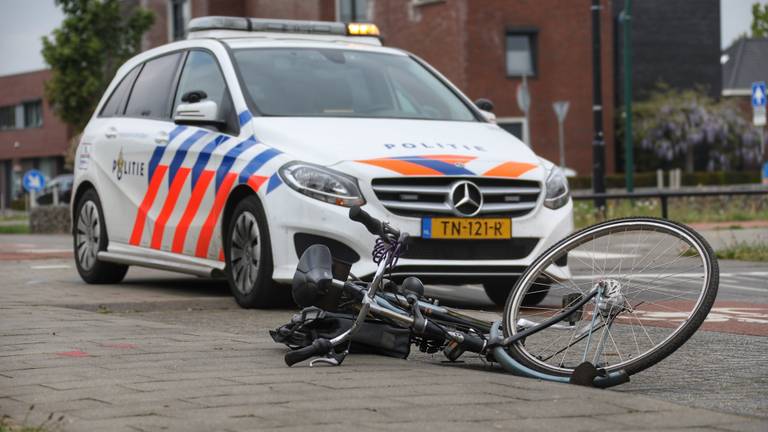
{"points": [[184, 377], [681, 418], [570, 424]]}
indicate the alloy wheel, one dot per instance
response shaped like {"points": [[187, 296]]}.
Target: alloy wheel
{"points": [[245, 253], [88, 233]]}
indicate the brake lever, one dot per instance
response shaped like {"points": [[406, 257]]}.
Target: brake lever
{"points": [[331, 359], [327, 360]]}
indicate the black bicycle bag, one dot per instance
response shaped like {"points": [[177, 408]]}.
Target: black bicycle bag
{"points": [[374, 336]]}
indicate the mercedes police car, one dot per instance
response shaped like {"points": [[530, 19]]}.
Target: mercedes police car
{"points": [[231, 152]]}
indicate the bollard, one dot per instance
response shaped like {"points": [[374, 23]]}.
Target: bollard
{"points": [[55, 191]]}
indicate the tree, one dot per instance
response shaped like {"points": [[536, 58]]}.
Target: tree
{"points": [[677, 128], [759, 20], [94, 39]]}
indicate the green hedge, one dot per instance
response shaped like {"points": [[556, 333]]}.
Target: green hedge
{"points": [[648, 179]]}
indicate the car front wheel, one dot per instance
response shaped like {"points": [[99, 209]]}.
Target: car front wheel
{"points": [[249, 256], [90, 238]]}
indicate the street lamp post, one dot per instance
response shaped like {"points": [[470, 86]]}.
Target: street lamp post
{"points": [[629, 159], [598, 143]]}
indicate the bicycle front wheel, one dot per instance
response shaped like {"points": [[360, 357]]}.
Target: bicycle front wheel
{"points": [[658, 278]]}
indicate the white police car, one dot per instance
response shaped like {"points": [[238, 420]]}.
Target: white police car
{"points": [[228, 154]]}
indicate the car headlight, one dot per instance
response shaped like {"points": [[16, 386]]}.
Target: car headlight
{"points": [[557, 189], [322, 183]]}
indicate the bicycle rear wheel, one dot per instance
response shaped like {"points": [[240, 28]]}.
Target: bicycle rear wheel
{"points": [[660, 280]]}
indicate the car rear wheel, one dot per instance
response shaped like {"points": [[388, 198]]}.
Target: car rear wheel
{"points": [[498, 291], [249, 256], [90, 238]]}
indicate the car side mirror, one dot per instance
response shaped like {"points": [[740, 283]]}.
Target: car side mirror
{"points": [[198, 113], [194, 96], [484, 104], [491, 117]]}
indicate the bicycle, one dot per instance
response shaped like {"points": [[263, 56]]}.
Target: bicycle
{"points": [[631, 291]]}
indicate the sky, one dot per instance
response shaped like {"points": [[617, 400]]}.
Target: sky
{"points": [[24, 22]]}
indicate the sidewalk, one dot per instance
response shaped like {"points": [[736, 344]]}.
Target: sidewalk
{"points": [[107, 372]]}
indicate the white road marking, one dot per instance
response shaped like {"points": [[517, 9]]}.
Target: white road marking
{"points": [[743, 288], [41, 251], [600, 255], [50, 267], [677, 275]]}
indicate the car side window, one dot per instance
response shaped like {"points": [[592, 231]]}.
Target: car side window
{"points": [[202, 73], [116, 103], [151, 95]]}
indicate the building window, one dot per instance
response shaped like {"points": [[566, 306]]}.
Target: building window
{"points": [[521, 53], [516, 126], [33, 114], [178, 14], [353, 10], [7, 117], [21, 116]]}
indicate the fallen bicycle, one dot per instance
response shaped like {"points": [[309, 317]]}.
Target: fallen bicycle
{"points": [[607, 277]]}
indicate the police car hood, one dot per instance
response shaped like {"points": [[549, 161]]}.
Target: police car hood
{"points": [[408, 147]]}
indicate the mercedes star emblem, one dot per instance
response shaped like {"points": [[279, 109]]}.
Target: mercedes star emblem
{"points": [[465, 198]]}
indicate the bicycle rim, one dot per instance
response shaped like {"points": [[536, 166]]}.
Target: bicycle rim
{"points": [[660, 280]]}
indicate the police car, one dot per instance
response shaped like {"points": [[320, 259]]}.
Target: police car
{"points": [[230, 153]]}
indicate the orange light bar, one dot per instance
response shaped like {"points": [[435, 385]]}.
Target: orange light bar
{"points": [[362, 29]]}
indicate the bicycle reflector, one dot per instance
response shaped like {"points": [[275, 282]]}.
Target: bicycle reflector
{"points": [[362, 29]]}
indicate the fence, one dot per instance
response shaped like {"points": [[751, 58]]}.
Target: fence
{"points": [[665, 195]]}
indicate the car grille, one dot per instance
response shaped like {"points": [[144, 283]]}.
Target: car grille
{"points": [[428, 196], [439, 249]]}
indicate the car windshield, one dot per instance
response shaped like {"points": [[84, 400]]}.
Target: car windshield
{"points": [[301, 82]]}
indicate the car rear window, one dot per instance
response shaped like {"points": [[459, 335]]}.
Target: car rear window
{"points": [[151, 95], [116, 103]]}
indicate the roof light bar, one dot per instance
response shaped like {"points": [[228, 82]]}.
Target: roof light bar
{"points": [[282, 26], [362, 29]]}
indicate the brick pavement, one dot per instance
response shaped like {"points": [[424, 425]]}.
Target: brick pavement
{"points": [[109, 371]]}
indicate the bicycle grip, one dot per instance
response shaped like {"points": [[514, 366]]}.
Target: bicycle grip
{"points": [[319, 347], [373, 225]]}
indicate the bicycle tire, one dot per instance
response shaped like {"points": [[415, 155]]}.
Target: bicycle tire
{"points": [[664, 349]]}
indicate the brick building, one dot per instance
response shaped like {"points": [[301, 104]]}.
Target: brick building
{"points": [[484, 47], [31, 136]]}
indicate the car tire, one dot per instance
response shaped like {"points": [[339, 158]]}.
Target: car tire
{"points": [[248, 255], [498, 291], [89, 235]]}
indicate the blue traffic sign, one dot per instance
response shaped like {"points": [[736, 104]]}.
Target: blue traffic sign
{"points": [[758, 94], [765, 173], [33, 181]]}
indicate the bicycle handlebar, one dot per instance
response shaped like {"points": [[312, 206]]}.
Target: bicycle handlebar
{"points": [[319, 347], [373, 225]]}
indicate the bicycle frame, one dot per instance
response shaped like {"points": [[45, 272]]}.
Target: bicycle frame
{"points": [[380, 307]]}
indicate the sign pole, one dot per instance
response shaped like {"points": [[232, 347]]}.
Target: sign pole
{"points": [[759, 102], [561, 110], [561, 140], [598, 143]]}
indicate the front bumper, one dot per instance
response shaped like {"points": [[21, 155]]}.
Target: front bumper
{"points": [[290, 213]]}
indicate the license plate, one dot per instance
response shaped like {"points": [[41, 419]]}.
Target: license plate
{"points": [[466, 228]]}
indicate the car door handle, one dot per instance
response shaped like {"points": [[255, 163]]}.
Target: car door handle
{"points": [[162, 138], [111, 133]]}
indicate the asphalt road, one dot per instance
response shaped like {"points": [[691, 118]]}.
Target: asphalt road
{"points": [[723, 368]]}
